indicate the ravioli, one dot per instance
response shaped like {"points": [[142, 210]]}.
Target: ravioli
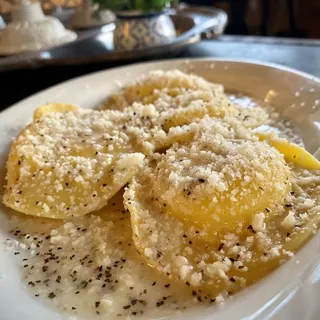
{"points": [[237, 259], [182, 99], [218, 181], [292, 152], [221, 212], [164, 89], [65, 165], [53, 107], [70, 161]]}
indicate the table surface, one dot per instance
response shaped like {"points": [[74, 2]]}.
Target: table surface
{"points": [[302, 55]]}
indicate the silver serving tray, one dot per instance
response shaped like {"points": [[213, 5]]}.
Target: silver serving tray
{"points": [[93, 46]]}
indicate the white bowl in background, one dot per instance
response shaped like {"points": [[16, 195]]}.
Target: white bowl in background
{"points": [[31, 30]]}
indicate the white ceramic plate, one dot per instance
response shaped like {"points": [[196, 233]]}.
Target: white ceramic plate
{"points": [[292, 291]]}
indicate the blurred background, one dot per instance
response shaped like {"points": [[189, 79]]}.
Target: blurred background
{"points": [[283, 18], [42, 44]]}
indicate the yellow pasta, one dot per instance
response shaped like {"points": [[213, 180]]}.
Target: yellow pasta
{"points": [[65, 165], [218, 182], [292, 152], [164, 87], [53, 107], [235, 259]]}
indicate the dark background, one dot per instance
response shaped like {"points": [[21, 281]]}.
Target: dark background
{"points": [[284, 18]]}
